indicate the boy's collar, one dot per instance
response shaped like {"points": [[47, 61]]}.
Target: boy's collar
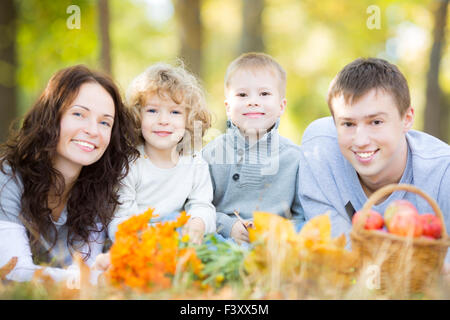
{"points": [[231, 126]]}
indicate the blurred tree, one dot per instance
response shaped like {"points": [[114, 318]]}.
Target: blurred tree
{"points": [[190, 31], [7, 66], [105, 44], [46, 44], [312, 40], [252, 26], [142, 33], [436, 115]]}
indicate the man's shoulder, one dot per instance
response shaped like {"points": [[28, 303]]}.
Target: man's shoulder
{"points": [[430, 157], [319, 142], [320, 128], [426, 146], [321, 156]]}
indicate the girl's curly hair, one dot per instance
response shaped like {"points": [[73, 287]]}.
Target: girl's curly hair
{"points": [[29, 152], [182, 87]]}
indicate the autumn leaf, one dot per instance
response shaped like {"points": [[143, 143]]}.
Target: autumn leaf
{"points": [[316, 231], [7, 268], [271, 225]]}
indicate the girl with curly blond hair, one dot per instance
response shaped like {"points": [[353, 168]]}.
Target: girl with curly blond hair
{"points": [[170, 175]]}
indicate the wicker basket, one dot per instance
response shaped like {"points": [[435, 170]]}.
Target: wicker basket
{"points": [[406, 265]]}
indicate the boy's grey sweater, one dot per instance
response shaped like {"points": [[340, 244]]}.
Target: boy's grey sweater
{"points": [[261, 177]]}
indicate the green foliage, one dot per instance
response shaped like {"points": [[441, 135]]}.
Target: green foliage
{"points": [[138, 40], [223, 261], [312, 39], [45, 43], [22, 291]]}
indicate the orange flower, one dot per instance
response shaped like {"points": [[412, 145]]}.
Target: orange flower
{"points": [[147, 257]]}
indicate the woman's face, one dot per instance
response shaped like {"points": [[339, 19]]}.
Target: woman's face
{"points": [[86, 127]]}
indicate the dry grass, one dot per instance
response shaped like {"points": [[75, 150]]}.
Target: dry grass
{"points": [[279, 265]]}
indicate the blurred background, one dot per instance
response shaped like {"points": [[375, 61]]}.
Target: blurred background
{"points": [[311, 39]]}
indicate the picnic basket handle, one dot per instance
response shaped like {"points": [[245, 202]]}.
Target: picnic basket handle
{"points": [[388, 189]]}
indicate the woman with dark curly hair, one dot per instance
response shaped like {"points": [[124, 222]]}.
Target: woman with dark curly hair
{"points": [[60, 173]]}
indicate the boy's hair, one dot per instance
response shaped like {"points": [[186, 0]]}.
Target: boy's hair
{"points": [[256, 60], [364, 74], [168, 81]]}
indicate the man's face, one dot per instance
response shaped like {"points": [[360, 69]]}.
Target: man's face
{"points": [[371, 135], [253, 100]]}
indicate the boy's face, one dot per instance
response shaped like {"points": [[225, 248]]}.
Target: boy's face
{"points": [[253, 100], [371, 135], [163, 122]]}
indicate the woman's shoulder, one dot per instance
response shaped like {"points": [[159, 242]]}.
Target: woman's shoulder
{"points": [[10, 195], [5, 169], [8, 179]]}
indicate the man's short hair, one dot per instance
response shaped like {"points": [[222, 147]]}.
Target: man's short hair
{"points": [[256, 61], [364, 74]]}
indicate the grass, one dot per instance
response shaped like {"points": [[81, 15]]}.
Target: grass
{"points": [[279, 264]]}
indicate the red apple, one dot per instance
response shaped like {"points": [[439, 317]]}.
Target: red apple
{"points": [[404, 219], [427, 237], [388, 214], [431, 225], [396, 206], [374, 220]]}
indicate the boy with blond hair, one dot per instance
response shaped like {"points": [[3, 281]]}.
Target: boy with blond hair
{"points": [[252, 167]]}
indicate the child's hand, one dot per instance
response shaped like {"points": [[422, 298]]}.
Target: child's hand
{"points": [[249, 224], [195, 229], [239, 232], [102, 262]]}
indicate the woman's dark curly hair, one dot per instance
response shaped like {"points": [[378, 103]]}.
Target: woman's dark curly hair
{"points": [[29, 152]]}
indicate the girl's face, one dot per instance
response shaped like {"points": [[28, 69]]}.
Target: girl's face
{"points": [[163, 123], [85, 131]]}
